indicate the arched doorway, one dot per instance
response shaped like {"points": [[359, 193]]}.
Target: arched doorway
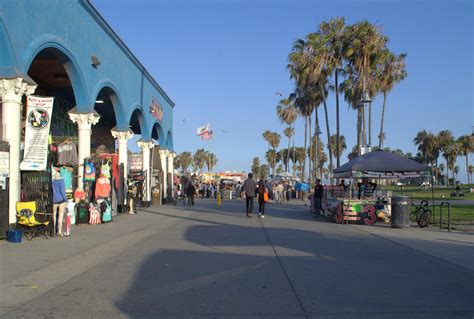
{"points": [[48, 69], [105, 105]]}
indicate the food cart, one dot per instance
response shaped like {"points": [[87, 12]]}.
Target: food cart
{"points": [[344, 205]]}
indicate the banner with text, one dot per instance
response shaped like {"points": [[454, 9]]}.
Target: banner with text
{"points": [[38, 121]]}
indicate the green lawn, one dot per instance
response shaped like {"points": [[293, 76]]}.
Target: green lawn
{"points": [[440, 193]]}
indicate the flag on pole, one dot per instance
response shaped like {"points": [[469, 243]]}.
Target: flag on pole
{"points": [[207, 135], [203, 129]]}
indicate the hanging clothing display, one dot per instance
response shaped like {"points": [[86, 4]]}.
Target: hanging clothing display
{"points": [[106, 211], [67, 154], [71, 210], [89, 171], [102, 187], [66, 175], [94, 213], [105, 169], [82, 213]]}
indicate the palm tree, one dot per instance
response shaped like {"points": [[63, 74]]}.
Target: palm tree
{"points": [[364, 46], [354, 153], [471, 171], [284, 155], [271, 157], [446, 139], [466, 146], [275, 140], [452, 157], [279, 169], [255, 167], [211, 161], [184, 160], [392, 72], [334, 31], [267, 136], [334, 144], [200, 158], [287, 114], [456, 172], [441, 169], [263, 172], [289, 132]]}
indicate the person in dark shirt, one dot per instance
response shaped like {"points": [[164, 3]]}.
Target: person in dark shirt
{"points": [[190, 192], [366, 188], [318, 197], [249, 188]]}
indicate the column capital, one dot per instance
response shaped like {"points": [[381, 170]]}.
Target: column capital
{"points": [[172, 154], [143, 144], [12, 90], [83, 120], [122, 135], [164, 153]]}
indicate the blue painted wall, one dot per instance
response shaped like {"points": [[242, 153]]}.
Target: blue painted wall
{"points": [[76, 29]]}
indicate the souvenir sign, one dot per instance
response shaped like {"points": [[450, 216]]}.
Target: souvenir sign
{"points": [[38, 122]]}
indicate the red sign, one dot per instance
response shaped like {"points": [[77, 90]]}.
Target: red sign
{"points": [[156, 110]]}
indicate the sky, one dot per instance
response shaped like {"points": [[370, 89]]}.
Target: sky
{"points": [[223, 62]]}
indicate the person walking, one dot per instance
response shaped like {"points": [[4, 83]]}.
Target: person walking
{"points": [[262, 192], [249, 188], [280, 191], [190, 192], [318, 197]]}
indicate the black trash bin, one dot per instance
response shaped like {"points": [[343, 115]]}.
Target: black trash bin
{"points": [[400, 211]]}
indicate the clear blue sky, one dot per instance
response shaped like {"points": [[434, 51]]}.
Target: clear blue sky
{"points": [[222, 62]]}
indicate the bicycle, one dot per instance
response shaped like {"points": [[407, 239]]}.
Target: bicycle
{"points": [[421, 214]]}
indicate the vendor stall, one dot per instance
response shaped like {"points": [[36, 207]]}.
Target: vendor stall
{"points": [[360, 200]]}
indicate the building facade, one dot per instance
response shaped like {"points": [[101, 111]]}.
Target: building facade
{"points": [[103, 94]]}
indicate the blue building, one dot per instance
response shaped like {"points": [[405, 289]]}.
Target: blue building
{"points": [[103, 94]]}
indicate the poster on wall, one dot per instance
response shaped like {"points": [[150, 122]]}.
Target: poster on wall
{"points": [[38, 121], [135, 163]]}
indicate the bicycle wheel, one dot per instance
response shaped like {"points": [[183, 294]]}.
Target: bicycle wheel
{"points": [[414, 214], [424, 218]]}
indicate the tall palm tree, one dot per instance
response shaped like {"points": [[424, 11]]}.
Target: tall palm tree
{"points": [[255, 167], [184, 160], [334, 144], [286, 112], [275, 140], [441, 168], [200, 158], [288, 132], [446, 139], [456, 172], [364, 45], [211, 161], [471, 171], [392, 72], [267, 136], [271, 156], [334, 31], [466, 146]]}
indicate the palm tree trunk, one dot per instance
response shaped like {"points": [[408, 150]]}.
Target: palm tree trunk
{"points": [[316, 153], [304, 149], [381, 120], [328, 133], [288, 153], [447, 173], [364, 130], [370, 123], [338, 160], [359, 128], [467, 170], [310, 149]]}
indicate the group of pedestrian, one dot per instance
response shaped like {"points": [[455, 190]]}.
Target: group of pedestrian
{"points": [[251, 190]]}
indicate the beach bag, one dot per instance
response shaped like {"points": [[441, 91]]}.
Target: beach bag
{"points": [[265, 196], [106, 211], [82, 213], [94, 214]]}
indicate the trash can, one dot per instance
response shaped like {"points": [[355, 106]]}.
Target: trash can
{"points": [[400, 211]]}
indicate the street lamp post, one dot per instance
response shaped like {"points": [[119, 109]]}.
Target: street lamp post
{"points": [[317, 132]]}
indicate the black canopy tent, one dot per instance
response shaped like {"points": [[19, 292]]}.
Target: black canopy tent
{"points": [[381, 164], [384, 165]]}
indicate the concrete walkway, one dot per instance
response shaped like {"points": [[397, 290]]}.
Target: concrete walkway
{"points": [[212, 262]]}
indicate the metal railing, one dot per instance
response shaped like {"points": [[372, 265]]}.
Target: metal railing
{"points": [[441, 215]]}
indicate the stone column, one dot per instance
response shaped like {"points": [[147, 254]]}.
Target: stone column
{"points": [[145, 147], [12, 91], [164, 167], [171, 157], [123, 137], [84, 122]]}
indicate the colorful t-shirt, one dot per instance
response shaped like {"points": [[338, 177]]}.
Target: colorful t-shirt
{"points": [[89, 172], [67, 177], [67, 154]]}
